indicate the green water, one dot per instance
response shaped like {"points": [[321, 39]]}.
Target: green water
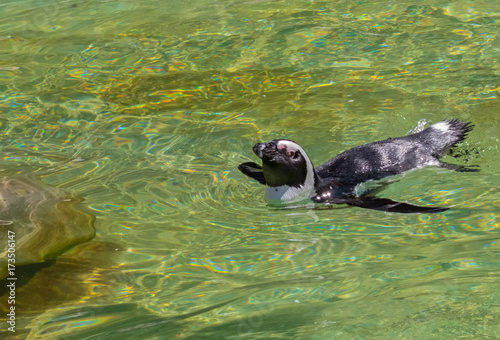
{"points": [[145, 109]]}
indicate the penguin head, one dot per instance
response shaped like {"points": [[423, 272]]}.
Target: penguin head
{"points": [[285, 163]]}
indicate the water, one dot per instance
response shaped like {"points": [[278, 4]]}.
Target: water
{"points": [[146, 109]]}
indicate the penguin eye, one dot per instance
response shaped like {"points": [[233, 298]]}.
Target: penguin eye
{"points": [[292, 154]]}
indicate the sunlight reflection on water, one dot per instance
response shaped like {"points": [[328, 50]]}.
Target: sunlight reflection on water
{"points": [[147, 109]]}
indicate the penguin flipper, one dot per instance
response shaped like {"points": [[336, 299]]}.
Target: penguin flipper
{"points": [[459, 168], [253, 170], [381, 204], [388, 205]]}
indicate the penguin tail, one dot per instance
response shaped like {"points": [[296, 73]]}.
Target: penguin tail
{"points": [[446, 134]]}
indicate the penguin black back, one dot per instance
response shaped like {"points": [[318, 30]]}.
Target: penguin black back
{"points": [[393, 156]]}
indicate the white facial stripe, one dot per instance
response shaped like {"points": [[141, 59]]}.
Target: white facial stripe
{"points": [[296, 147], [292, 146], [308, 186]]}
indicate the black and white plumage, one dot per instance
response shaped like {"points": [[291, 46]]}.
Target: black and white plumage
{"points": [[290, 176]]}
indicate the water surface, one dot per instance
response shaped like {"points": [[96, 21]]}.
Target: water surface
{"points": [[146, 109]]}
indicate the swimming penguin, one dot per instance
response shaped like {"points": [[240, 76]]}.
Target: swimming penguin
{"points": [[290, 176]]}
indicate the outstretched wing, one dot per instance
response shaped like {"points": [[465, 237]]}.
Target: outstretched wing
{"points": [[384, 204], [253, 170]]}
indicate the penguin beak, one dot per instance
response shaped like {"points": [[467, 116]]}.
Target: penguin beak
{"points": [[258, 149]]}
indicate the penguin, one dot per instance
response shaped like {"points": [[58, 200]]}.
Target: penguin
{"points": [[290, 177]]}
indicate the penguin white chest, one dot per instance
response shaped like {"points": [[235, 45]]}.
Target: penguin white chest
{"points": [[286, 193]]}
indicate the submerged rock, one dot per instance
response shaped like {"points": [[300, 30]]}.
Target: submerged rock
{"points": [[38, 222]]}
